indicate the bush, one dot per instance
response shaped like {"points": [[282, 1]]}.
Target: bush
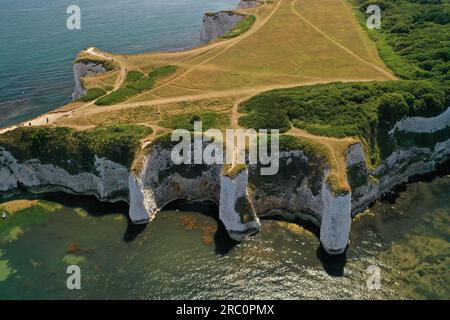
{"points": [[133, 76], [135, 82], [92, 94], [74, 150], [400, 27], [413, 32], [392, 107], [338, 109], [120, 95], [143, 84], [162, 72]]}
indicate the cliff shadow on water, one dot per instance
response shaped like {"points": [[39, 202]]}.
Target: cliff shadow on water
{"points": [[333, 265], [89, 204], [222, 241]]}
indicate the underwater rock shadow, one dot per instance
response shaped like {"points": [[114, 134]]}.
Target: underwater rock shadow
{"points": [[223, 244]]}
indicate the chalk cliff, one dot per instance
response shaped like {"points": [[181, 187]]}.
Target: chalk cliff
{"points": [[300, 190], [82, 69], [247, 4], [108, 181], [215, 25]]}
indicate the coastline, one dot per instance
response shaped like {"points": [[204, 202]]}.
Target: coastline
{"points": [[328, 188]]}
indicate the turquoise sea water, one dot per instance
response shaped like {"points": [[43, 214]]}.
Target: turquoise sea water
{"points": [[188, 255], [36, 48]]}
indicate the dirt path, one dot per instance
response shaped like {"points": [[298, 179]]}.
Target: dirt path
{"points": [[228, 45]]}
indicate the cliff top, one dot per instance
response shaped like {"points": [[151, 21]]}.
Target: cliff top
{"points": [[298, 47]]}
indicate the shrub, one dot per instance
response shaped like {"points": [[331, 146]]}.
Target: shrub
{"points": [[133, 76], [74, 150], [120, 95], [162, 72], [135, 82], [400, 27], [392, 107], [92, 94]]}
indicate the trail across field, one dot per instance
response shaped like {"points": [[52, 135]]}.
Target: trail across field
{"points": [[292, 43]]}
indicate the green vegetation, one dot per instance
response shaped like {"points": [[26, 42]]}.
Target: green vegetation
{"points": [[143, 84], [209, 120], [233, 171], [133, 76], [240, 27], [414, 38], [261, 113], [312, 150], [92, 94], [342, 110], [135, 82], [162, 72], [120, 95], [107, 64], [74, 150]]}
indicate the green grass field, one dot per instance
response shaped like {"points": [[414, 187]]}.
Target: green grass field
{"points": [[135, 82]]}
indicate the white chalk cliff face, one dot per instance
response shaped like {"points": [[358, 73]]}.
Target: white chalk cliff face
{"points": [[160, 181], [247, 4], [81, 69], [423, 125], [336, 220], [299, 191], [403, 163], [217, 24], [107, 182], [235, 209]]}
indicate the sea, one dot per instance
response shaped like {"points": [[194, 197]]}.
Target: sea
{"points": [[37, 49], [399, 248]]}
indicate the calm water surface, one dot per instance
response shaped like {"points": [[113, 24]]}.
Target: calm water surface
{"points": [[188, 254], [37, 50]]}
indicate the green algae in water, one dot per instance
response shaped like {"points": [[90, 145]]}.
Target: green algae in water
{"points": [[408, 240], [18, 221], [5, 270], [73, 259]]}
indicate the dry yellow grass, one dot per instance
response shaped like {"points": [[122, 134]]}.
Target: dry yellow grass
{"points": [[292, 43], [105, 81]]}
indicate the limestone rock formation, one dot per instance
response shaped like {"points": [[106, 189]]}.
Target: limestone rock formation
{"points": [[300, 190], [82, 69], [217, 24]]}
